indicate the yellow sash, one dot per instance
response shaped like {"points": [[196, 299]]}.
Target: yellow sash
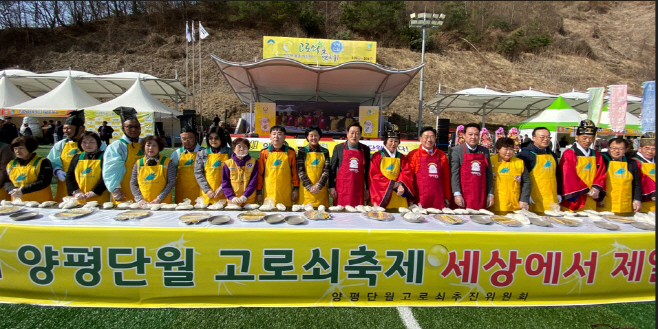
{"points": [[619, 189], [240, 178], [134, 153], [649, 169], [88, 173], [314, 166], [507, 183], [278, 178], [214, 165], [543, 183], [153, 179], [390, 168], [68, 152], [186, 184], [24, 175]]}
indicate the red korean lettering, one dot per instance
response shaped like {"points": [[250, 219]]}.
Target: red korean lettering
{"points": [[467, 268], [506, 271], [579, 266], [630, 265], [652, 261], [549, 265]]}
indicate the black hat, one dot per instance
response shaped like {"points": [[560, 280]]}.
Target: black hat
{"points": [[391, 132], [126, 113], [586, 127], [187, 124], [76, 118]]}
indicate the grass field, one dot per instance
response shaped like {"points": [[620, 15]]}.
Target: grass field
{"points": [[629, 315]]}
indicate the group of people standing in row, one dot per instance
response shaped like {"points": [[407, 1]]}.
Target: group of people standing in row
{"points": [[133, 168]]}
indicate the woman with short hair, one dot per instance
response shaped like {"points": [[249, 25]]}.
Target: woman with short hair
{"points": [[313, 166], [391, 181], [240, 174], [84, 179], [30, 175], [511, 180], [152, 178]]}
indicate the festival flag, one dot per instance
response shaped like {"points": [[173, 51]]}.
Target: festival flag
{"points": [[188, 36], [649, 107], [193, 39], [202, 32], [617, 107], [595, 104]]}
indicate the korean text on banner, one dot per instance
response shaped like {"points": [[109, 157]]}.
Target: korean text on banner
{"points": [[618, 94], [369, 120], [649, 107], [265, 114], [36, 113], [595, 104], [95, 119], [319, 51], [118, 267]]}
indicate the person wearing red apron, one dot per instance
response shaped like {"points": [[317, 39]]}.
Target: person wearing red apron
{"points": [[471, 176], [431, 172], [583, 171], [350, 165], [646, 163]]}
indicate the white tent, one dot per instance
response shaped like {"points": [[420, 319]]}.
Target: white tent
{"points": [[10, 95], [65, 97]]}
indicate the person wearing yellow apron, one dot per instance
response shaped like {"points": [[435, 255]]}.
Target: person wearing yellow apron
{"points": [[277, 171], [240, 175], [511, 180], [391, 180], [65, 150], [153, 177], [84, 179], [6, 156], [623, 189], [121, 155], [183, 160], [313, 165], [583, 171], [30, 175], [209, 164], [646, 162], [541, 164]]}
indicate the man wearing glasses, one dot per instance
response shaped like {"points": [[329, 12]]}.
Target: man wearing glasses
{"points": [[431, 171], [623, 189], [646, 161], [541, 163], [121, 155]]}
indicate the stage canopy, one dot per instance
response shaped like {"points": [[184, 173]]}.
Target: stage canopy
{"points": [[98, 86], [482, 101], [273, 79], [10, 95], [65, 97]]}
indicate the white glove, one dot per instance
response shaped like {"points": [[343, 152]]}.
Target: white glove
{"points": [[242, 199], [235, 200], [533, 201], [559, 198], [61, 175]]}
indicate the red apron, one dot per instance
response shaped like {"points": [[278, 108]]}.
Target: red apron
{"points": [[350, 178], [473, 179], [428, 182]]}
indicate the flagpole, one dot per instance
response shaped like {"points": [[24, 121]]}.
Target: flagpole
{"points": [[200, 85], [193, 71], [187, 66]]}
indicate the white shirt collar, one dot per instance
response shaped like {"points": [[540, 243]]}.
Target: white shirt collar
{"points": [[430, 151], [583, 150], [472, 149], [389, 153], [645, 159]]}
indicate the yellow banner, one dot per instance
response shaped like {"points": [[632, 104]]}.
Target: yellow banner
{"points": [[405, 147], [36, 113], [95, 119], [265, 114], [319, 51], [161, 267], [369, 120]]}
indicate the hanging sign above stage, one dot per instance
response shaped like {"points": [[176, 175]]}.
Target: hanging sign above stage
{"points": [[319, 51]]}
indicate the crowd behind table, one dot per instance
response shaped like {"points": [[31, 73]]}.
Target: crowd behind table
{"points": [[134, 169]]}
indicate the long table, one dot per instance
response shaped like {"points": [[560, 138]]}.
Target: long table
{"points": [[346, 261]]}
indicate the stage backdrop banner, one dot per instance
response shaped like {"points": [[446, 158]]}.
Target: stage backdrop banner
{"points": [[163, 267], [649, 106], [405, 147], [618, 105], [95, 119], [36, 113], [369, 120], [265, 114], [319, 51]]}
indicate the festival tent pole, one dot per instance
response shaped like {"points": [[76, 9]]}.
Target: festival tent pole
{"points": [[193, 71]]}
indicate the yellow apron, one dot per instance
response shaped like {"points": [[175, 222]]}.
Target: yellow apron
{"points": [[619, 189], [507, 183], [278, 178], [314, 166], [390, 168], [649, 169], [24, 175], [240, 178], [214, 165], [68, 152], [186, 184], [88, 173], [134, 153], [153, 179], [543, 190], [586, 169]]}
